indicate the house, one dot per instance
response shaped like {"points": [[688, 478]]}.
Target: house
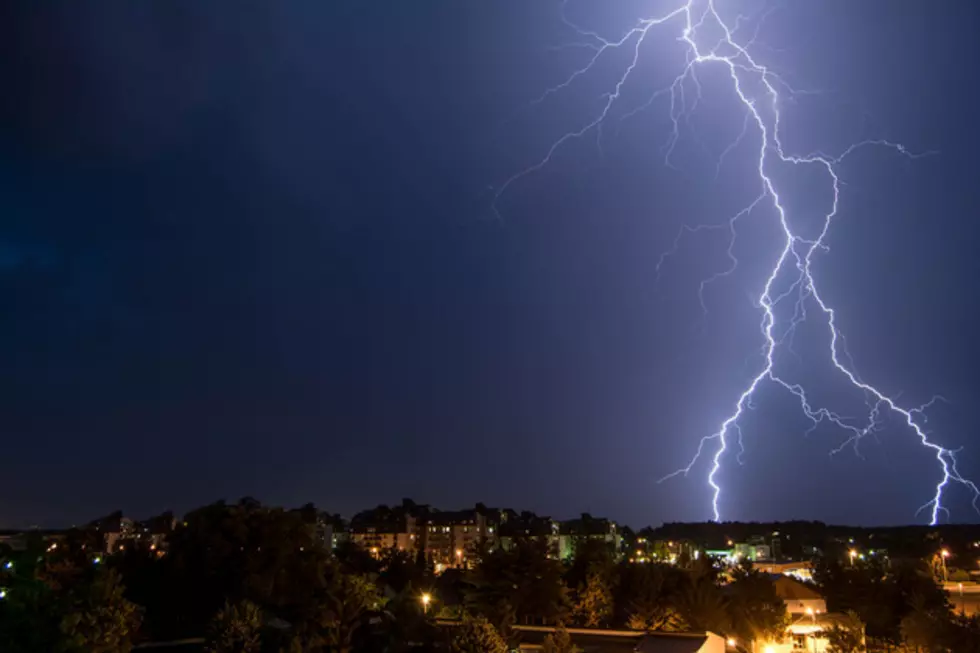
{"points": [[596, 640], [808, 618], [800, 598]]}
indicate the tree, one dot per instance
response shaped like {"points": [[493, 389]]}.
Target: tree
{"points": [[236, 629], [756, 610], [477, 635], [964, 634], [29, 611], [522, 585], [595, 600], [348, 600], [559, 642], [662, 618], [99, 619], [647, 595], [924, 628], [236, 552], [846, 635], [703, 607]]}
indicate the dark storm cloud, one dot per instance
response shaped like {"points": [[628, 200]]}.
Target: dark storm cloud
{"points": [[250, 251]]}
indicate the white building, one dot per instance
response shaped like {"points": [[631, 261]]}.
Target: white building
{"points": [[808, 617]]}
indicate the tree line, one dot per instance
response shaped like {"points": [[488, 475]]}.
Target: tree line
{"points": [[254, 579]]}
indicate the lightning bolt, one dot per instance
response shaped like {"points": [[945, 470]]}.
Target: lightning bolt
{"points": [[708, 39]]}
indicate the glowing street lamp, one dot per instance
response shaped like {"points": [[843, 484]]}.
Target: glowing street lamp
{"points": [[852, 554], [944, 553], [731, 642], [426, 600]]}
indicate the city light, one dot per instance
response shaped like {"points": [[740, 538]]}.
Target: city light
{"points": [[426, 600], [731, 642]]}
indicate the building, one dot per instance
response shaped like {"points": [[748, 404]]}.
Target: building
{"points": [[528, 526], [800, 598], [801, 569], [576, 532], [674, 551], [808, 617], [113, 531], [804, 634], [379, 537], [384, 528], [752, 551], [596, 640], [457, 538]]}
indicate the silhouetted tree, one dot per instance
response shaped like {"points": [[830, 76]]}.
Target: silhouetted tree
{"points": [[647, 595], [477, 635], [236, 629], [343, 609], [559, 642], [522, 584], [98, 618], [846, 635], [703, 607], [756, 610], [594, 600]]}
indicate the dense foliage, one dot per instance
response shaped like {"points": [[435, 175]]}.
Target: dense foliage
{"points": [[254, 579]]}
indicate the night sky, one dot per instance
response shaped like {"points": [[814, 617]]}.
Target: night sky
{"points": [[249, 249]]}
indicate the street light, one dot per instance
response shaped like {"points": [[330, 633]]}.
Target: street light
{"points": [[426, 599], [944, 554], [853, 554], [731, 642]]}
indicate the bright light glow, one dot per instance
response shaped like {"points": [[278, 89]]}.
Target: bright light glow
{"points": [[852, 553], [731, 641], [710, 39], [426, 599], [3, 594], [9, 565], [769, 649], [945, 553]]}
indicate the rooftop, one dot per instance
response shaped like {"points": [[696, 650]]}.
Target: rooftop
{"points": [[790, 589]]}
